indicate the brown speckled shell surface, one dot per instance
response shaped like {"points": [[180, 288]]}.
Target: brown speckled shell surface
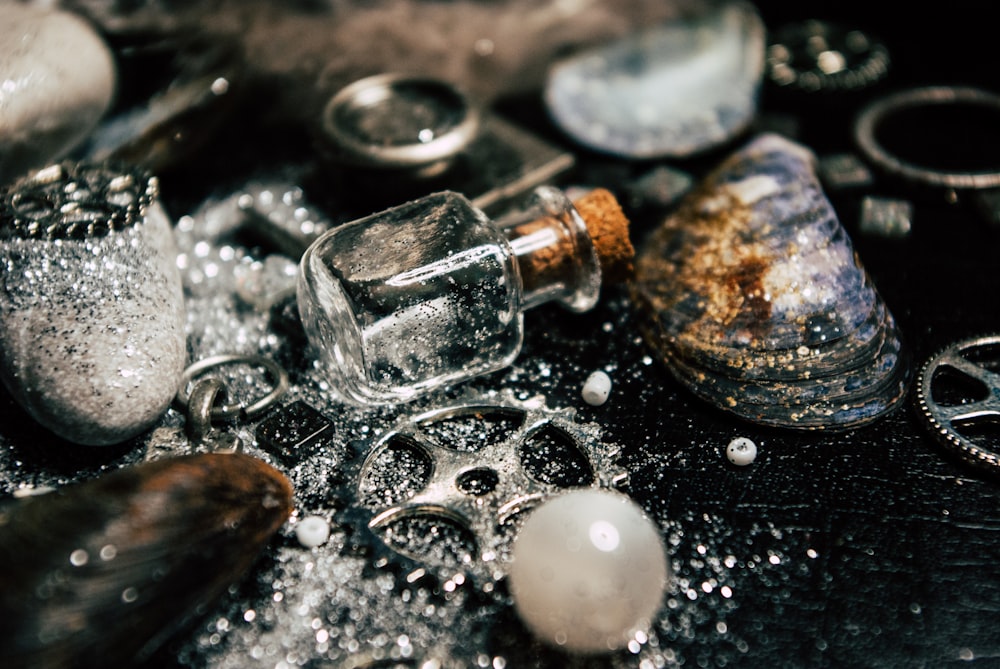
{"points": [[759, 304]]}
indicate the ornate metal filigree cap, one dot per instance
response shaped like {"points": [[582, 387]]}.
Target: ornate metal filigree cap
{"points": [[76, 201]]}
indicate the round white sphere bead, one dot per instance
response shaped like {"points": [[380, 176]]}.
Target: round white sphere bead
{"points": [[312, 531], [597, 388], [741, 451], [588, 571]]}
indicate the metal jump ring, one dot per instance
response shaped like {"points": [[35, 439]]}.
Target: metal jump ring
{"points": [[202, 400], [876, 113], [277, 375]]}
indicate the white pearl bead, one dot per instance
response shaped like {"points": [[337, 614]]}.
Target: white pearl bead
{"points": [[588, 571], [597, 388], [312, 531], [741, 451]]}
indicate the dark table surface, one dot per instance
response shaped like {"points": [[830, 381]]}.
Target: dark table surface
{"points": [[863, 548]]}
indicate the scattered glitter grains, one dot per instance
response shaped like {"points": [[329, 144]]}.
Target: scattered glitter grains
{"points": [[312, 531], [597, 388], [228, 290], [741, 451], [322, 609]]}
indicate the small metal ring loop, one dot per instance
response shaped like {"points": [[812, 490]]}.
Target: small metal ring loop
{"points": [[873, 115], [277, 375], [202, 400]]}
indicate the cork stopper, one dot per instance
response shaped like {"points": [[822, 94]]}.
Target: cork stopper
{"points": [[607, 227]]}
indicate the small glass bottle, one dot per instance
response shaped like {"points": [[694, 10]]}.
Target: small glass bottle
{"points": [[431, 292]]}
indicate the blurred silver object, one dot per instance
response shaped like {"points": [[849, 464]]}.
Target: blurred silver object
{"points": [[886, 217], [57, 79], [818, 56], [397, 121], [971, 105]]}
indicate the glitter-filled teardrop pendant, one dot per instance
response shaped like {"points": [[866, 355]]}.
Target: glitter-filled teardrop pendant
{"points": [[102, 573], [92, 340]]}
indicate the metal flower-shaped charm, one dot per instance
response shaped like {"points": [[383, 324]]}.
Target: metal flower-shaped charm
{"points": [[447, 486]]}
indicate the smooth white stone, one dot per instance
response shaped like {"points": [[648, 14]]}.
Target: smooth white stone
{"points": [[57, 79], [588, 571], [597, 388], [673, 90], [92, 340]]}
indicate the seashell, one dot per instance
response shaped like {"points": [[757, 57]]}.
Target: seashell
{"points": [[102, 573], [759, 303], [672, 90]]}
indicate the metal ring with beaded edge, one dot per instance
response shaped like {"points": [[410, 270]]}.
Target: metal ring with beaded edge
{"points": [[943, 419]]}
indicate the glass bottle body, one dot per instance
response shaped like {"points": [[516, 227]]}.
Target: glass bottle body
{"points": [[410, 299], [432, 292]]}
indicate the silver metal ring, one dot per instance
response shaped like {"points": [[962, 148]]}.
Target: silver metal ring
{"points": [[874, 115], [276, 374], [400, 121]]}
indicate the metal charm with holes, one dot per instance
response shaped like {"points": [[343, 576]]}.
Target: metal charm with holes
{"points": [[468, 472], [957, 418]]}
